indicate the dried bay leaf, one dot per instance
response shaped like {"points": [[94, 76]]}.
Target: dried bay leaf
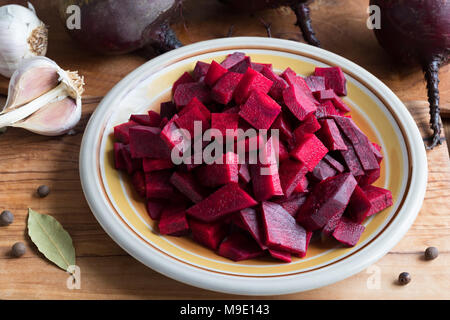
{"points": [[51, 239]]}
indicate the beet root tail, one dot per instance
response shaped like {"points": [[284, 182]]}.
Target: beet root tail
{"points": [[304, 22], [164, 39], [431, 71]]}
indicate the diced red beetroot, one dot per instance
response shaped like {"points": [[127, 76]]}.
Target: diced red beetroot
{"points": [[283, 152], [150, 165], [377, 152], [359, 206], [330, 135], [196, 104], [325, 94], [168, 110], [340, 105], [260, 66], [233, 59], [302, 186], [200, 70], [155, 208], [208, 234], [351, 159], [369, 177], [146, 119], [379, 198], [282, 231], [298, 102], [348, 232], [119, 161], [228, 199], [329, 197], [334, 79], [309, 235], [331, 225], [138, 180], [284, 127], [163, 123], [309, 125], [194, 112], [242, 66], [244, 173], [215, 72], [238, 247], [185, 78], [334, 163], [315, 83], [155, 118], [280, 255], [186, 184], [260, 110], [323, 171], [296, 81], [131, 165], [173, 221], [172, 135], [234, 109], [122, 131], [291, 172], [223, 90], [214, 175], [325, 110], [250, 220], [252, 80], [279, 84], [360, 142], [158, 185], [309, 151], [224, 121], [186, 91], [145, 142]]}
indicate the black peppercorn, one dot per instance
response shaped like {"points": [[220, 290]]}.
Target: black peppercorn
{"points": [[404, 278], [43, 191]]}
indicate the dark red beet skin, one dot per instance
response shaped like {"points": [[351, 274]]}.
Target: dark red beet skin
{"points": [[418, 32]]}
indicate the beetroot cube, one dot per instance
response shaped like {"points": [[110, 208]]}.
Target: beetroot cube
{"points": [[185, 78], [309, 151], [266, 182], [233, 109], [293, 203], [334, 163], [200, 70], [146, 142], [244, 173], [309, 125], [329, 197], [340, 105], [163, 123], [260, 110], [280, 255], [315, 83], [283, 126], [302, 186], [187, 185], [224, 122], [242, 66], [193, 113], [377, 152], [146, 119], [131, 165], [326, 109], [168, 110], [228, 199], [291, 172], [282, 231], [330, 135], [295, 81], [150, 165], [186, 91], [334, 79], [323, 171], [215, 72], [331, 225], [309, 235], [155, 208], [351, 159], [359, 206], [158, 185], [208, 234], [379, 198], [238, 247], [217, 174], [251, 221], [298, 102], [155, 119], [172, 135], [122, 131], [252, 80], [369, 177], [348, 232], [325, 94], [279, 84], [196, 104], [223, 90], [233, 59], [173, 221], [138, 181], [283, 152], [119, 161], [260, 66]]}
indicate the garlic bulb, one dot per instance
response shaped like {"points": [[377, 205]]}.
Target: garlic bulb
{"points": [[43, 98], [22, 36]]}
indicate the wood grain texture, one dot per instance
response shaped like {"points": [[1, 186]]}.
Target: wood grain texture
{"points": [[28, 160]]}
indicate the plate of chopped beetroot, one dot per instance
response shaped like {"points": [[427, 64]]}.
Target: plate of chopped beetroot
{"points": [[253, 166]]}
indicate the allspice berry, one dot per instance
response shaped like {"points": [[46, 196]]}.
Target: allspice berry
{"points": [[18, 249], [6, 218], [431, 253], [43, 191], [404, 278]]}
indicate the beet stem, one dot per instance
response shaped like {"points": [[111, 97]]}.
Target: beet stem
{"points": [[431, 71], [304, 22]]}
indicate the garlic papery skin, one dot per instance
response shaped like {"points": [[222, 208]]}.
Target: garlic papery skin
{"points": [[52, 111], [22, 36]]}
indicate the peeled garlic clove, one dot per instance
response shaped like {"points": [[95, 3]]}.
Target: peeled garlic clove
{"points": [[22, 35], [33, 78], [54, 119]]}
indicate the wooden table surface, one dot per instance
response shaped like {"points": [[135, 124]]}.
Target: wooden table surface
{"points": [[28, 160]]}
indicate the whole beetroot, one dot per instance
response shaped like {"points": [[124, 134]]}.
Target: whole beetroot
{"points": [[418, 32]]}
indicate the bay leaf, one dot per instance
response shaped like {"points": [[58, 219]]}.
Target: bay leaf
{"points": [[51, 239]]}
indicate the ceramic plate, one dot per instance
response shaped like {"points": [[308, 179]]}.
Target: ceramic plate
{"points": [[122, 214]]}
